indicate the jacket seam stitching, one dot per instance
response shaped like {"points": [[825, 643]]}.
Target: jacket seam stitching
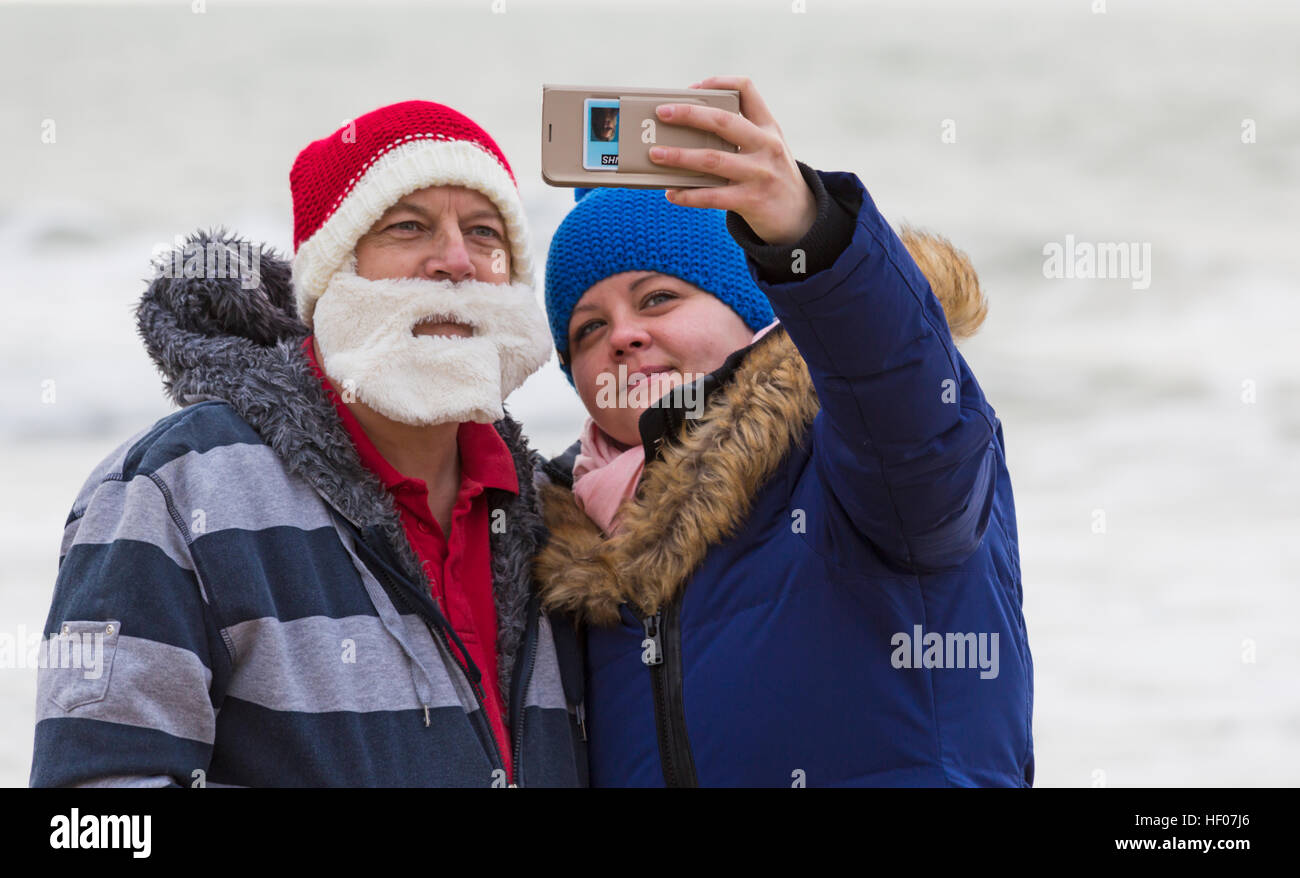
{"points": [[178, 522], [934, 704], [1025, 657]]}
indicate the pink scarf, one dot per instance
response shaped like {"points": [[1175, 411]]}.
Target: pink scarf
{"points": [[606, 472]]}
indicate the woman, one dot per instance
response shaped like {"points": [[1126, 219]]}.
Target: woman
{"points": [[800, 566]]}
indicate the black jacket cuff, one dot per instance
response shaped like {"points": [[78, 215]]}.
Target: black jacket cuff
{"points": [[829, 235]]}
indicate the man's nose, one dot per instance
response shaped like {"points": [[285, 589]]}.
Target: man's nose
{"points": [[449, 259]]}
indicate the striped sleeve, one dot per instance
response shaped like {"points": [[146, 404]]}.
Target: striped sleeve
{"points": [[125, 693]]}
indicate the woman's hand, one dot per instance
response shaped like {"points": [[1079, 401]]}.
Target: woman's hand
{"points": [[766, 187]]}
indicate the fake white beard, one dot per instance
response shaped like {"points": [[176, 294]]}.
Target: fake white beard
{"points": [[364, 329]]}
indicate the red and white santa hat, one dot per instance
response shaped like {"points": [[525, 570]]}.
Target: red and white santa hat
{"points": [[343, 184]]}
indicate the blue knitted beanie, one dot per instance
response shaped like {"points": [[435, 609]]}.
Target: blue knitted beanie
{"points": [[610, 231]]}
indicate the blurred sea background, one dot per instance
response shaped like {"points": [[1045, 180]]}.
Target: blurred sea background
{"points": [[1165, 648]]}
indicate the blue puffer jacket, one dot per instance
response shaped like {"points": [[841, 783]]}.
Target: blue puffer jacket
{"points": [[818, 582]]}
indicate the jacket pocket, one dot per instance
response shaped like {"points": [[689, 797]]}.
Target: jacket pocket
{"points": [[80, 662]]}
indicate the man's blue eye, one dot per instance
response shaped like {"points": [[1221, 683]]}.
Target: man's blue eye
{"points": [[491, 231], [406, 223]]}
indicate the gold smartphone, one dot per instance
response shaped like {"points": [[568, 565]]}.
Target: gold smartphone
{"points": [[595, 136]]}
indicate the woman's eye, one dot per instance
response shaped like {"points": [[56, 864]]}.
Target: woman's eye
{"points": [[582, 330], [655, 295]]}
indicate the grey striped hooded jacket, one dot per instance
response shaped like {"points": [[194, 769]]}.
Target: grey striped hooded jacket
{"points": [[244, 601]]}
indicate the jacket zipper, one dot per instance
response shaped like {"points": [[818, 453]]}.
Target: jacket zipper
{"points": [[435, 627], [661, 653], [519, 710]]}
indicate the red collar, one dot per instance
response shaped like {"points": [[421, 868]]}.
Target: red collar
{"points": [[484, 456]]}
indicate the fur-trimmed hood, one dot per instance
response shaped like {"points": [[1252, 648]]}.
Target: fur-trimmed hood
{"points": [[237, 337], [701, 489]]}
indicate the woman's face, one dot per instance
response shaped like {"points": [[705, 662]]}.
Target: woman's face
{"points": [[632, 325]]}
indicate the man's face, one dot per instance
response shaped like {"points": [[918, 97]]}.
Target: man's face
{"points": [[605, 125], [646, 321], [427, 323], [440, 233]]}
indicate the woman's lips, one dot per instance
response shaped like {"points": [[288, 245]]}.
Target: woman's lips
{"points": [[635, 378]]}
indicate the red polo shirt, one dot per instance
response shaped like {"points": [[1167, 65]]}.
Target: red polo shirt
{"points": [[459, 569]]}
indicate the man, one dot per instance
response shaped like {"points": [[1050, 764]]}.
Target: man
{"points": [[317, 571], [604, 123]]}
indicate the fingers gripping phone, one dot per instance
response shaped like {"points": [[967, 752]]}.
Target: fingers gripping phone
{"points": [[602, 136]]}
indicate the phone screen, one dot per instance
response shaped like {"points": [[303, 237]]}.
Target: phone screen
{"points": [[600, 134]]}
